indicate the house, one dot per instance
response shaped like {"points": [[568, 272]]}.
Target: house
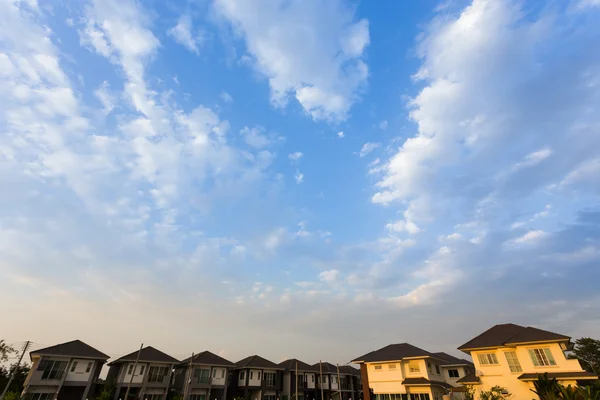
{"points": [[256, 378], [512, 356], [402, 372], [454, 368], [203, 376], [296, 372], [351, 387], [67, 371], [146, 372]]}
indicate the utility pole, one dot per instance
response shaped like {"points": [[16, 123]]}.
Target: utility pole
{"points": [[189, 380], [321, 379], [14, 372], [133, 373], [339, 381]]}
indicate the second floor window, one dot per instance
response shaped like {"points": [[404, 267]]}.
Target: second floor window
{"points": [[242, 376], [73, 366], [429, 367], [89, 367], [269, 379], [437, 369], [142, 368], [413, 367], [453, 373], [157, 374], [324, 378], [487, 359], [258, 373], [513, 361], [222, 373], [391, 366], [214, 372], [542, 357], [52, 370], [130, 369], [312, 378], [378, 367]]}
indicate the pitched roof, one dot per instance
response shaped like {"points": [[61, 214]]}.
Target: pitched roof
{"points": [[560, 375], [148, 353], [394, 352], [291, 365], [256, 362], [75, 348], [424, 381], [504, 334], [451, 360], [469, 379], [208, 358], [347, 369], [326, 367]]}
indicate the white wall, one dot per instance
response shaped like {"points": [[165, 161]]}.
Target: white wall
{"points": [[310, 381], [138, 374], [217, 372], [79, 374], [254, 378]]}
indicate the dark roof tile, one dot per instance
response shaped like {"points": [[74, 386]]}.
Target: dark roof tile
{"points": [[560, 375], [147, 354], [208, 358], [501, 335], [256, 362], [291, 364], [469, 379], [451, 360], [75, 348], [394, 352]]}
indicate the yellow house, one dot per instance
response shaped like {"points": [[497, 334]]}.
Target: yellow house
{"points": [[404, 372], [512, 356]]}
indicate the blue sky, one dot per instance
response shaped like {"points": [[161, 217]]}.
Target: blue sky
{"points": [[297, 178]]}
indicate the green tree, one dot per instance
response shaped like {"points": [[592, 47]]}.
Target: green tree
{"points": [[587, 350], [18, 381], [469, 393], [546, 388], [6, 351], [495, 393]]}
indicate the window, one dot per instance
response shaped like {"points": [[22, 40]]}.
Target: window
{"points": [[258, 373], [391, 366], [73, 366], [312, 378], [453, 373], [334, 379], [487, 359], [413, 366], [130, 369], [270, 397], [378, 367], [324, 378], [269, 378], [52, 370], [429, 367], [513, 361], [197, 397], [419, 396], [89, 367], [542, 357], [242, 375], [437, 369], [214, 372], [202, 374], [157, 374], [222, 373], [142, 368], [251, 375]]}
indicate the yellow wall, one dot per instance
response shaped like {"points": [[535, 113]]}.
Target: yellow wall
{"points": [[386, 380], [500, 375]]}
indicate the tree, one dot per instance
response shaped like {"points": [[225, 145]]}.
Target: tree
{"points": [[19, 380], [495, 393], [587, 350], [6, 351]]}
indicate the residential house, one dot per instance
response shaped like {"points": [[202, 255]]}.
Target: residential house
{"points": [[147, 373], [256, 378], [512, 356], [67, 371], [203, 377], [402, 372], [454, 368], [301, 376], [338, 381]]}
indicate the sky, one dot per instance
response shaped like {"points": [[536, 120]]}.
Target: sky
{"points": [[297, 178]]}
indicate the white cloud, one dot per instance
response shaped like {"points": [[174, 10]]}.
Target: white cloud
{"points": [[310, 50], [106, 97], [529, 238], [340, 134], [367, 148], [299, 177], [255, 137], [403, 225], [295, 156], [383, 125], [534, 158], [226, 97], [331, 276], [183, 33]]}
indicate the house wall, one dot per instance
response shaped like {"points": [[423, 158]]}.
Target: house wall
{"points": [[255, 377], [35, 377], [386, 379], [79, 374], [492, 375], [219, 376], [311, 380], [138, 375]]}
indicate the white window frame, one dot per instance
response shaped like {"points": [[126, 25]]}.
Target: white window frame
{"points": [[487, 359], [513, 361], [542, 357], [413, 366]]}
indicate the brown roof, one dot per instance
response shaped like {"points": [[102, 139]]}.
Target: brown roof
{"points": [[505, 334], [424, 381], [469, 379], [256, 362], [208, 358], [292, 363], [394, 352], [326, 367], [147, 354], [347, 369], [74, 348], [561, 375], [451, 360]]}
